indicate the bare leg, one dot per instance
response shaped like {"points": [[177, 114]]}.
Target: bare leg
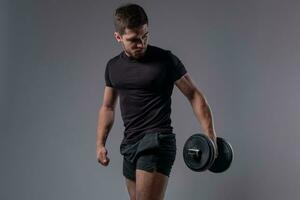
{"points": [[131, 188], [150, 185]]}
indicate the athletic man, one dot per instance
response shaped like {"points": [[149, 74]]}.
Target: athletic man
{"points": [[143, 77]]}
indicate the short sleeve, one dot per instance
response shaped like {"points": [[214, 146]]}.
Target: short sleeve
{"points": [[177, 67], [107, 76]]}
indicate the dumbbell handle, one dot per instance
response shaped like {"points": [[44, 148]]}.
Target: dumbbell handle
{"points": [[195, 152]]}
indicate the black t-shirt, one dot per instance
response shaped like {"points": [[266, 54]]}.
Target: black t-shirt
{"points": [[145, 87]]}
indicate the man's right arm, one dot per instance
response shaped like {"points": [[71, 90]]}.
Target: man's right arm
{"points": [[105, 122], [106, 115]]}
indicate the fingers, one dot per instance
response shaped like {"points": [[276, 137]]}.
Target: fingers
{"points": [[216, 154], [216, 149], [102, 156], [105, 161]]}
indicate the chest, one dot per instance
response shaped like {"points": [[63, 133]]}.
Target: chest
{"points": [[152, 75]]}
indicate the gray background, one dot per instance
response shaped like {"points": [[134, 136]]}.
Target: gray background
{"points": [[244, 56]]}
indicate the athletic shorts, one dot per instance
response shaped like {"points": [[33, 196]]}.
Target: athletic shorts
{"points": [[154, 152]]}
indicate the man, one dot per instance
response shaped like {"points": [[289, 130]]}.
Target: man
{"points": [[143, 76]]}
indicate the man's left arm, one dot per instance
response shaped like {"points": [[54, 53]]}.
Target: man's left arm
{"points": [[199, 104]]}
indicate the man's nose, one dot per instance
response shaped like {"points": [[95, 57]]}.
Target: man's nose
{"points": [[140, 44]]}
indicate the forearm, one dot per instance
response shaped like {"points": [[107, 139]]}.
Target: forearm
{"points": [[203, 114], [105, 123]]}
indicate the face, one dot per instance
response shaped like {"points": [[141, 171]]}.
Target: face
{"points": [[134, 41]]}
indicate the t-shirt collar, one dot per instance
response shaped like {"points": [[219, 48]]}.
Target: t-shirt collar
{"points": [[124, 56]]}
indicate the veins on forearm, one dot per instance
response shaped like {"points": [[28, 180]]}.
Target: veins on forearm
{"points": [[203, 113]]}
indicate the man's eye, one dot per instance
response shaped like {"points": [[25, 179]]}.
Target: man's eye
{"points": [[137, 40]]}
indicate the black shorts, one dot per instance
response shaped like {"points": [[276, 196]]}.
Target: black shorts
{"points": [[154, 152]]}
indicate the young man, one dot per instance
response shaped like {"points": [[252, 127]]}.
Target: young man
{"points": [[143, 76]]}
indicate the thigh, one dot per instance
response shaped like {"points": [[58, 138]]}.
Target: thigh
{"points": [[150, 185], [152, 174], [131, 187]]}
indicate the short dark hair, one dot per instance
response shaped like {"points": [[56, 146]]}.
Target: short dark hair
{"points": [[129, 16]]}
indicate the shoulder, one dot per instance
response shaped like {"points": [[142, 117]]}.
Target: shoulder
{"points": [[113, 60], [157, 49], [159, 52]]}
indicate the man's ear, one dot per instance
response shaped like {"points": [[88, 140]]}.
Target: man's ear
{"points": [[118, 36]]}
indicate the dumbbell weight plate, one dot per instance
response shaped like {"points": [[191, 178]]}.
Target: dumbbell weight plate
{"points": [[206, 152], [225, 156]]}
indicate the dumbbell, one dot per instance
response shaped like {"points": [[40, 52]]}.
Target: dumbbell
{"points": [[199, 154]]}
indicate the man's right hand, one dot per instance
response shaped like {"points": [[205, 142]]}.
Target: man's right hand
{"points": [[102, 156]]}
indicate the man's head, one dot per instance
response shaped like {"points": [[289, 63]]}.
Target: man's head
{"points": [[131, 24]]}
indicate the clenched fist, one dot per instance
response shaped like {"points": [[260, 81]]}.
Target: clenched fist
{"points": [[102, 156]]}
